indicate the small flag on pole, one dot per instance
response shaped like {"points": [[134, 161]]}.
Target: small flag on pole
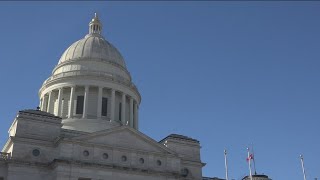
{"points": [[250, 157]]}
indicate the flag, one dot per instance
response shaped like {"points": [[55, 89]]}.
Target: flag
{"points": [[250, 157]]}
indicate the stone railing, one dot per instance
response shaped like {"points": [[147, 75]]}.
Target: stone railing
{"points": [[4, 156], [111, 77]]}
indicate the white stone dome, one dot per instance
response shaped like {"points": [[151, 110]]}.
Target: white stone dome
{"points": [[93, 46], [91, 88]]}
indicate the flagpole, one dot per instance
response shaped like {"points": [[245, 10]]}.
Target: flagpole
{"points": [[303, 170], [249, 159], [254, 162], [226, 163]]}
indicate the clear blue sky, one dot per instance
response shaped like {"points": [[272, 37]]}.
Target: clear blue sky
{"points": [[226, 73]]}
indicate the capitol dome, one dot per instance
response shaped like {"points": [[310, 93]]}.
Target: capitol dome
{"points": [[90, 88], [93, 46]]}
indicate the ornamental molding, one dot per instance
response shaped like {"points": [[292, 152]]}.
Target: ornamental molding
{"points": [[84, 59]]}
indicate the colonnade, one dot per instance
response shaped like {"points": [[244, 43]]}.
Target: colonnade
{"points": [[47, 101]]}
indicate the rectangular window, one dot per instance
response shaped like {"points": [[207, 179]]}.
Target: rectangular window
{"points": [[120, 111], [79, 109], [104, 107], [84, 179]]}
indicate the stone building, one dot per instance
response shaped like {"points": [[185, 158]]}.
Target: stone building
{"points": [[87, 125]]}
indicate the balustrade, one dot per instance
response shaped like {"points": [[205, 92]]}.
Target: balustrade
{"points": [[4, 156]]}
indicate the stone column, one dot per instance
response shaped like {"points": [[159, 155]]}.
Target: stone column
{"points": [[60, 94], [131, 112], [85, 102], [99, 106], [49, 102], [123, 109], [135, 120], [71, 103], [113, 102], [43, 102], [40, 103]]}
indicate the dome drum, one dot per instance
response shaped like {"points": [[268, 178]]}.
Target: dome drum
{"points": [[90, 105]]}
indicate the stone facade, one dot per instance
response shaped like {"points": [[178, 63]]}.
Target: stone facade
{"points": [[39, 148]]}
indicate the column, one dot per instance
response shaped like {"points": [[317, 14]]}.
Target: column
{"points": [[85, 102], [40, 104], [49, 102], [43, 102], [123, 109], [60, 94], [62, 106], [71, 104], [113, 98], [99, 106], [135, 125], [131, 112]]}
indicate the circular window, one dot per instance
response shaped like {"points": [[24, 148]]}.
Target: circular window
{"points": [[141, 160], [105, 156], [86, 153], [124, 158], [184, 172], [159, 163], [36, 152]]}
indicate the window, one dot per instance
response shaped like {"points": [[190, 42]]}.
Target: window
{"points": [[159, 163], [79, 109], [124, 158], [120, 111], [84, 179], [184, 172], [86, 153], [36, 152], [105, 155], [104, 107], [141, 160]]}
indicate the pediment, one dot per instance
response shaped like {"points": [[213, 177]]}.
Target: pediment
{"points": [[123, 137]]}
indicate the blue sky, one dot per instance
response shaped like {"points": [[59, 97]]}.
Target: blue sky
{"points": [[226, 73]]}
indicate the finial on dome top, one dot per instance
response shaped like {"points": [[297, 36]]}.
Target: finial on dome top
{"points": [[95, 27]]}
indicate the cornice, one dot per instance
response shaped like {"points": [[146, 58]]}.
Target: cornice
{"points": [[113, 166], [50, 81], [86, 59]]}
